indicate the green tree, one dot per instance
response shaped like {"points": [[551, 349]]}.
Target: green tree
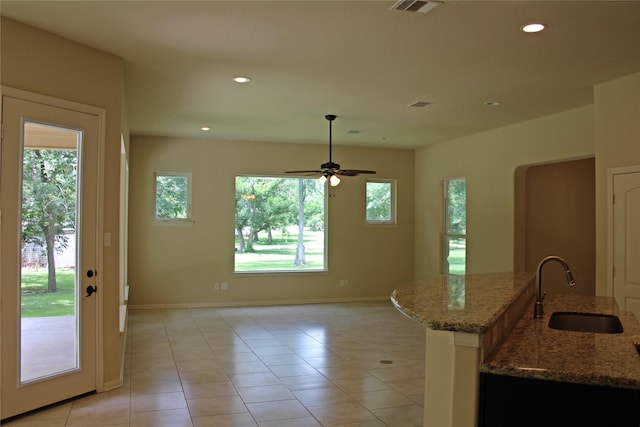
{"points": [[378, 201], [49, 201], [274, 208], [457, 206], [245, 210], [314, 205], [171, 196], [262, 204]]}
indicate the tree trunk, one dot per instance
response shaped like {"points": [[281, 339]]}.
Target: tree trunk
{"points": [[249, 244], [300, 258], [240, 239], [50, 236]]}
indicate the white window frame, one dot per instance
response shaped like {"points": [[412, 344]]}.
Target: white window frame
{"points": [[393, 185], [186, 221]]}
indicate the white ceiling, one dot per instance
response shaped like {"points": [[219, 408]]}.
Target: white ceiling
{"points": [[359, 60]]}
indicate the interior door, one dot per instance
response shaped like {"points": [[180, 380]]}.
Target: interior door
{"points": [[49, 195], [626, 241]]}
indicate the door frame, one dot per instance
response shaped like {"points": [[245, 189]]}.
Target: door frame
{"points": [[611, 172], [100, 113]]}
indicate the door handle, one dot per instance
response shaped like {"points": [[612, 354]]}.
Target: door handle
{"points": [[91, 290]]}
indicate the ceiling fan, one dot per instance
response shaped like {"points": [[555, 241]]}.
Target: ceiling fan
{"points": [[330, 170]]}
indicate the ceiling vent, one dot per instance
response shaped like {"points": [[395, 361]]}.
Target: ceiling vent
{"points": [[420, 104], [421, 6]]}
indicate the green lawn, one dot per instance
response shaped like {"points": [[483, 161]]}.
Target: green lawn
{"points": [[37, 302], [457, 257], [280, 254]]}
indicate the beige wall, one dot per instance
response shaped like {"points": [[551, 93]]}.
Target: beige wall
{"points": [[40, 62], [617, 144], [178, 265], [489, 160], [608, 130], [559, 219]]}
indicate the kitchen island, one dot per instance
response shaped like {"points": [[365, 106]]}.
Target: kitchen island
{"points": [[466, 317], [534, 350], [583, 378], [484, 323]]}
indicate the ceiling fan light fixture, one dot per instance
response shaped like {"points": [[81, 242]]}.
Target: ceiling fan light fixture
{"points": [[334, 180], [534, 27], [322, 179]]}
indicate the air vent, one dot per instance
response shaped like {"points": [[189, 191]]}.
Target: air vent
{"points": [[420, 104], [416, 6]]}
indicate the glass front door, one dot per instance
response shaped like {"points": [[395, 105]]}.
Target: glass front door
{"points": [[49, 234]]}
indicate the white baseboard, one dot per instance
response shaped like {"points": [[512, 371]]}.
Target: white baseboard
{"points": [[123, 317], [258, 303], [119, 382], [112, 385]]}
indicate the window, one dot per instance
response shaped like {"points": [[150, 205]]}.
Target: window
{"points": [[279, 225], [455, 226], [381, 201], [173, 197]]}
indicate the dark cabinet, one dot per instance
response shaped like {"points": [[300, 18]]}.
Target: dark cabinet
{"points": [[512, 401]]}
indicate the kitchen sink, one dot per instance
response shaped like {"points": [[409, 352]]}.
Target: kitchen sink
{"points": [[585, 322]]}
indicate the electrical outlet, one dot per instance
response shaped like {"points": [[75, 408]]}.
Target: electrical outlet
{"points": [[224, 286], [343, 283]]}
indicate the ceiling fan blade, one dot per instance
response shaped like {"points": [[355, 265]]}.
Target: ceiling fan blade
{"points": [[330, 168], [308, 172], [353, 172]]}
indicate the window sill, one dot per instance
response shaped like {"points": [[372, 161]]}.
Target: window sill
{"points": [[280, 272], [173, 223], [381, 224]]}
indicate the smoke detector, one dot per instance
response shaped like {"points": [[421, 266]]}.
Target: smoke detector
{"points": [[421, 6]]}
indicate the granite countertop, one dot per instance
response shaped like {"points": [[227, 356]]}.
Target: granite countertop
{"points": [[533, 350], [499, 306], [470, 303]]}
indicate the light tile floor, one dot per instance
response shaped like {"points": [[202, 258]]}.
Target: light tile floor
{"points": [[298, 366]]}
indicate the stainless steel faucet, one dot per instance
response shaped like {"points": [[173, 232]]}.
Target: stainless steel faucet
{"points": [[538, 312]]}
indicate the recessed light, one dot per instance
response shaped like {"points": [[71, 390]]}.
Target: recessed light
{"points": [[493, 103], [241, 79], [534, 27], [205, 128]]}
